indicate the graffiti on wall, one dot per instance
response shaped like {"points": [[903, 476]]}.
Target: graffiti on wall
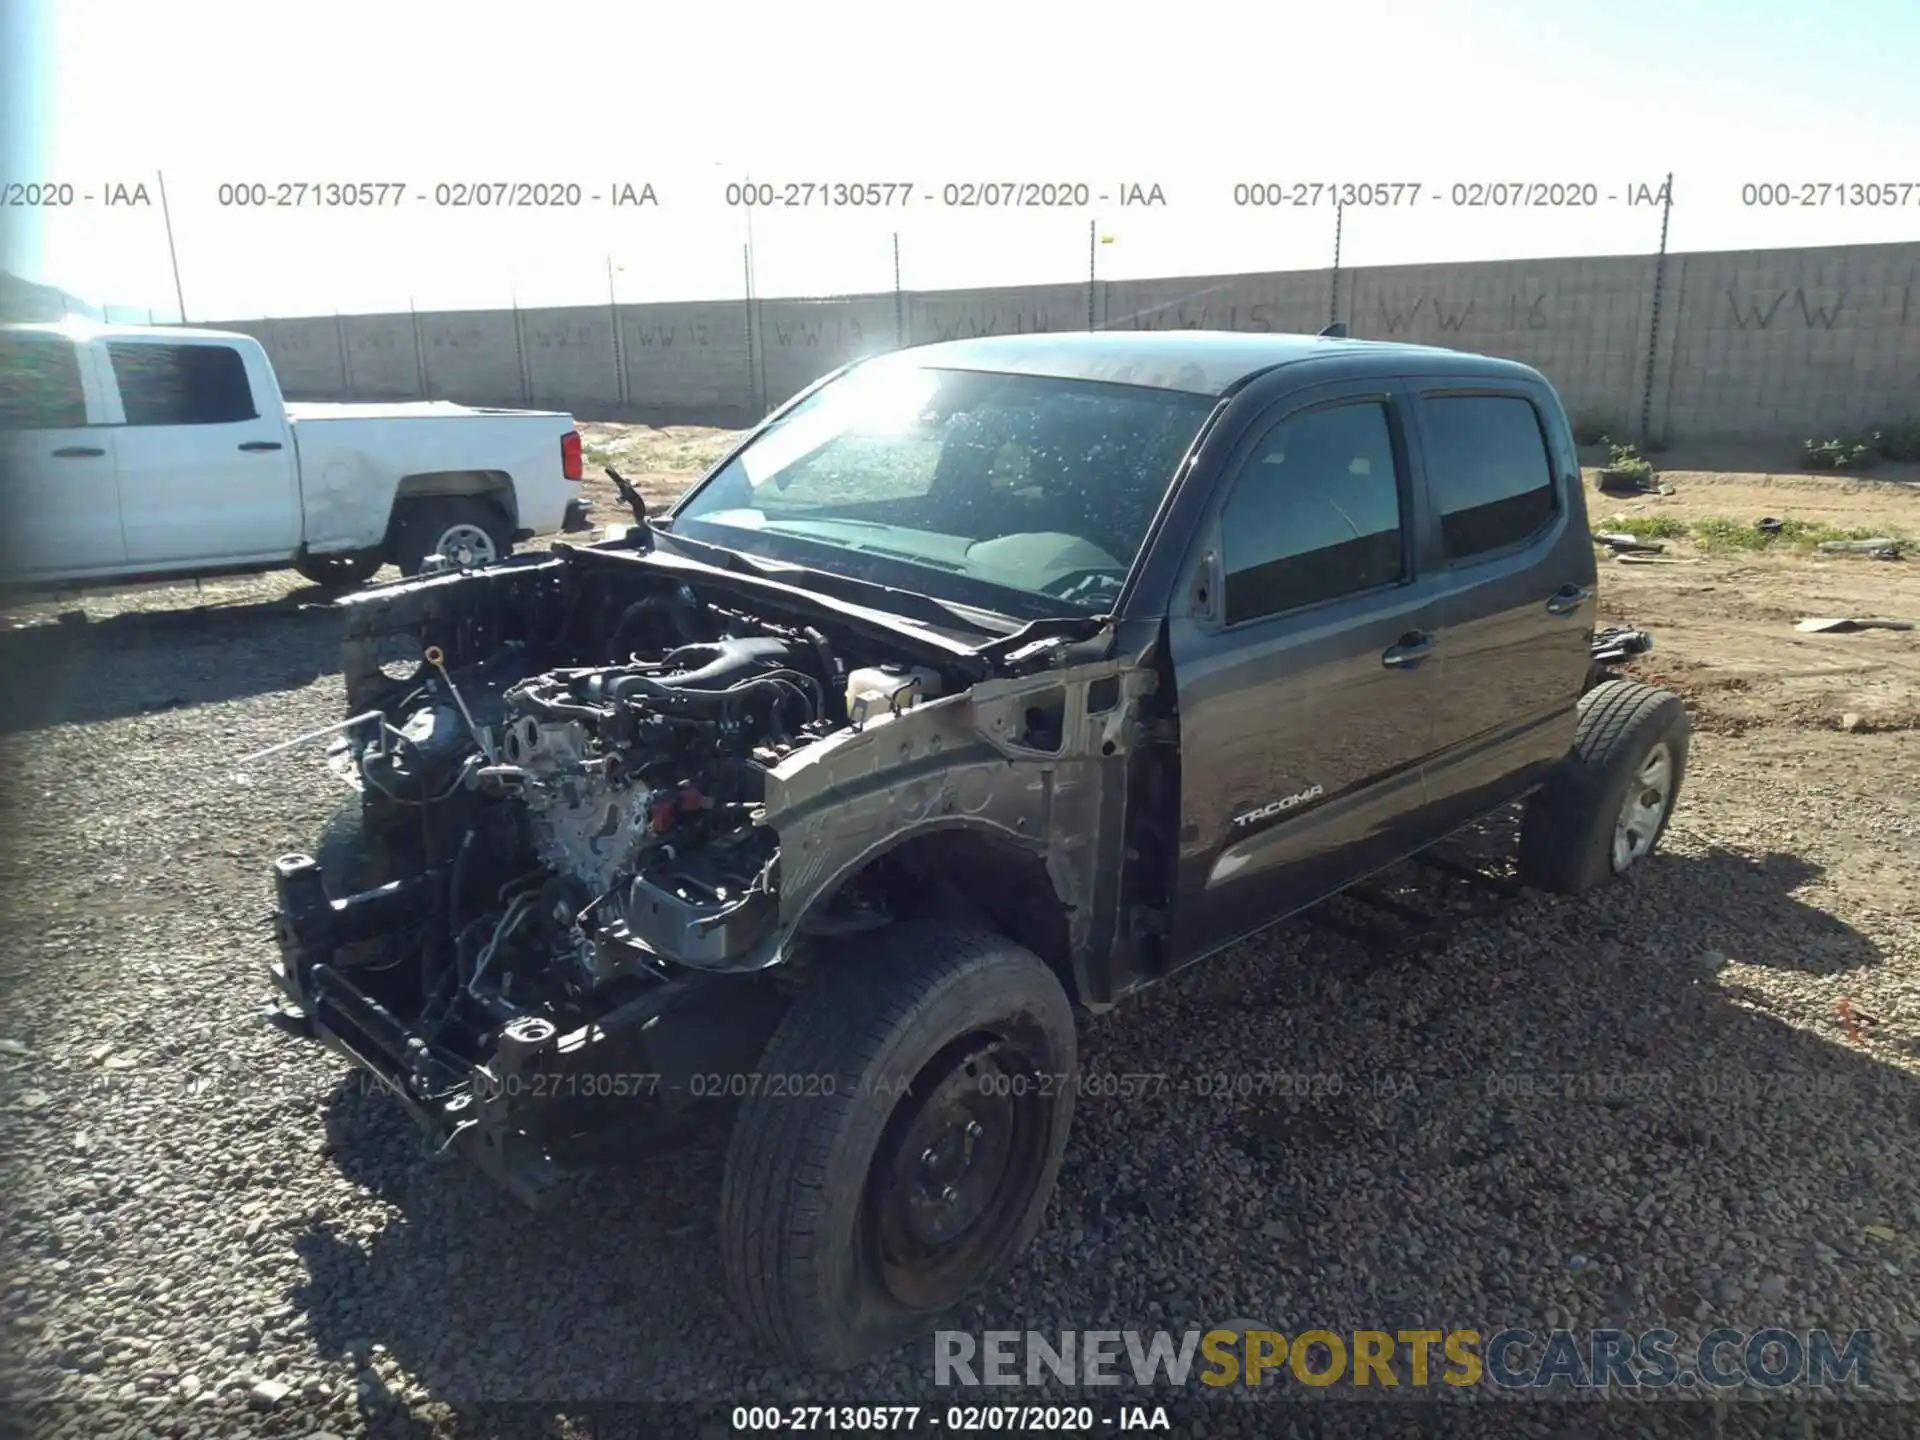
{"points": [[993, 322], [1399, 314], [1755, 312], [581, 335], [839, 333], [1255, 319]]}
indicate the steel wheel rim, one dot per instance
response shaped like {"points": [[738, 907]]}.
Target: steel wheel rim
{"points": [[946, 1204], [465, 545], [1644, 807]]}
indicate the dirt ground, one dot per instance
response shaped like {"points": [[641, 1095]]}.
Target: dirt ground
{"points": [[1724, 620], [660, 462]]}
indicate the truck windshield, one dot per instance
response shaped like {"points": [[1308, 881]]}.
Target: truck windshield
{"points": [[960, 484]]}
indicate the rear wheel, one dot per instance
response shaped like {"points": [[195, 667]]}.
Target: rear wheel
{"points": [[466, 529], [900, 1142], [1607, 806]]}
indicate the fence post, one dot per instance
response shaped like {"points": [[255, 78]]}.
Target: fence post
{"points": [[753, 383], [346, 366], [760, 350], [899, 299], [419, 351], [173, 253], [1339, 225], [619, 354], [520, 353], [1653, 320], [1093, 254]]}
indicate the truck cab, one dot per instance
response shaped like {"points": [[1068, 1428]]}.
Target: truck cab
{"points": [[120, 444]]}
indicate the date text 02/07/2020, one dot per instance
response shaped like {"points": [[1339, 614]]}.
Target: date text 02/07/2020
{"points": [[1066, 194], [1461, 194], [952, 1419], [442, 194]]}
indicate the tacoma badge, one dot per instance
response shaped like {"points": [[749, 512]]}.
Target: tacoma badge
{"points": [[1280, 806]]}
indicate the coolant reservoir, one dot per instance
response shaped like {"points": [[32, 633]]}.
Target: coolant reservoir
{"points": [[876, 691]]}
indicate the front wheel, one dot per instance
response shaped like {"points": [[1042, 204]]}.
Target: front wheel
{"points": [[900, 1142], [1608, 804]]}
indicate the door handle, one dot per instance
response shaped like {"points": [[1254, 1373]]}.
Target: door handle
{"points": [[1567, 599], [1412, 648], [78, 452], [261, 445]]}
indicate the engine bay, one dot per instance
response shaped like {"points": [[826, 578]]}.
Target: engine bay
{"points": [[599, 818]]}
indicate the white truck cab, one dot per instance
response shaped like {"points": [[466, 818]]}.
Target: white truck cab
{"points": [[135, 452]]}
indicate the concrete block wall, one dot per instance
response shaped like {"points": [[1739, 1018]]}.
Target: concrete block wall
{"points": [[1581, 322], [306, 355], [571, 361], [1770, 345], [1298, 302], [936, 315], [798, 341], [383, 361], [1797, 342], [468, 355], [689, 362]]}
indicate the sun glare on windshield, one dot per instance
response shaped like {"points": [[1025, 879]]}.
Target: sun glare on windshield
{"points": [[888, 400], [965, 485]]}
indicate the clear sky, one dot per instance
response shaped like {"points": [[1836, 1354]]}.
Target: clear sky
{"points": [[1192, 98]]}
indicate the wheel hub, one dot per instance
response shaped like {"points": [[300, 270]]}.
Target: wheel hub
{"points": [[951, 1160], [466, 546], [1644, 807], [949, 1190]]}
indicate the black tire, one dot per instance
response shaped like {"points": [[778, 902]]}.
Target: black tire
{"points": [[810, 1227], [1567, 836], [421, 525], [340, 572], [352, 860]]}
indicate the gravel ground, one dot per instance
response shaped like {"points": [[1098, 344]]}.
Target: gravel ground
{"points": [[208, 1218]]}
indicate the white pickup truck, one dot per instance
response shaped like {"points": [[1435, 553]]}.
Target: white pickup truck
{"points": [[132, 452]]}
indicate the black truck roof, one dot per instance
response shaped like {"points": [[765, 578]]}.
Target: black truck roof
{"points": [[1200, 362]]}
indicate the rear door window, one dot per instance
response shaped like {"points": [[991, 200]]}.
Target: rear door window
{"points": [[182, 384], [1488, 472], [40, 383]]}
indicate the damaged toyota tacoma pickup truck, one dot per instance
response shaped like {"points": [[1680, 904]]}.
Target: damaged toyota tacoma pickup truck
{"points": [[982, 685]]}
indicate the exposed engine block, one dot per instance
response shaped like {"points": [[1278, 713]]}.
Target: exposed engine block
{"points": [[650, 767], [583, 825], [611, 813]]}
